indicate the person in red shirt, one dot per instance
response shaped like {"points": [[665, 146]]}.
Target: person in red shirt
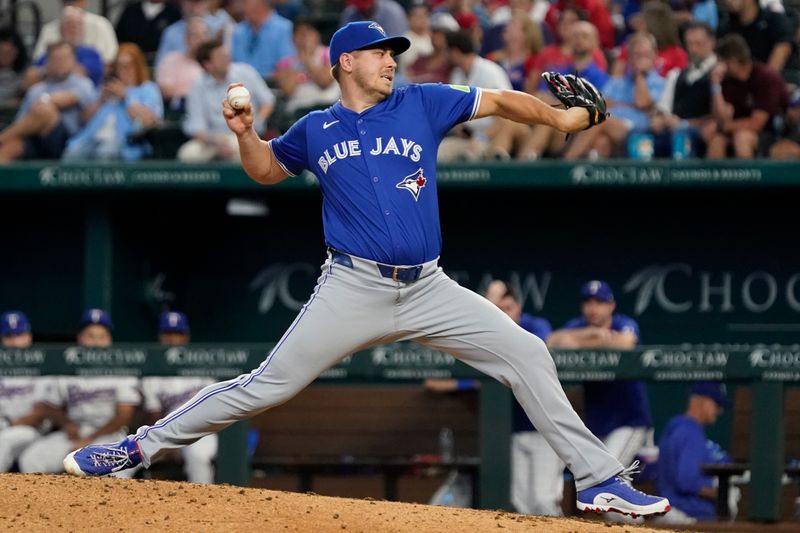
{"points": [[559, 56], [595, 10], [659, 21], [745, 96]]}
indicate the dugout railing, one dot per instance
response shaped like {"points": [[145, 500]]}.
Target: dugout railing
{"points": [[766, 369]]}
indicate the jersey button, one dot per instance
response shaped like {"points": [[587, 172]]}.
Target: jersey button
{"points": [[387, 213], [375, 179], [361, 121], [363, 132]]}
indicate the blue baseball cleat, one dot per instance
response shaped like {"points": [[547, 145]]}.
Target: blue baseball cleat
{"points": [[103, 459], [617, 495]]}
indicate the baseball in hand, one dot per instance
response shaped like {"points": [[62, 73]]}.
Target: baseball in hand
{"points": [[238, 97]]}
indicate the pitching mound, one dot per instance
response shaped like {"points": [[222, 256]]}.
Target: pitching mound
{"points": [[62, 503]]}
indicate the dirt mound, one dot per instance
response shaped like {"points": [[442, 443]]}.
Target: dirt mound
{"points": [[63, 503]]}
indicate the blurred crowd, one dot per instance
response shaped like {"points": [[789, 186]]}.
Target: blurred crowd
{"points": [[683, 78]]}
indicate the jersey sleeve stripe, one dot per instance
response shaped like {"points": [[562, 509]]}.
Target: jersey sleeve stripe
{"points": [[477, 104], [278, 159]]}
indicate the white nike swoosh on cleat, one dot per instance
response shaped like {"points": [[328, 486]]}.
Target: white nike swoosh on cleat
{"points": [[326, 125], [71, 465]]}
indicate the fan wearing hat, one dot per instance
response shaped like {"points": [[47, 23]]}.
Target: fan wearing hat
{"points": [[85, 409], [162, 395], [387, 13], [684, 447], [618, 412]]}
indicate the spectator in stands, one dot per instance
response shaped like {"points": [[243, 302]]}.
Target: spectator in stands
{"points": [[51, 110], [658, 20], [436, 67], [306, 77], [162, 395], [582, 44], [20, 417], [697, 11], [631, 98], [176, 73], [86, 409], [469, 141], [219, 23], [685, 104], [98, 33], [13, 60], [288, 9], [683, 448], [129, 104], [558, 57], [745, 97], [597, 14], [788, 146], [143, 21], [210, 136], [88, 60], [522, 42], [770, 36], [619, 412], [388, 13], [536, 9], [498, 14], [262, 38], [469, 22], [419, 34]]}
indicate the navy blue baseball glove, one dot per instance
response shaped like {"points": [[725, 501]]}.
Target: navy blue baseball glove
{"points": [[573, 91]]}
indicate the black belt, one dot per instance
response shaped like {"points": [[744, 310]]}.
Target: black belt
{"points": [[404, 274]]}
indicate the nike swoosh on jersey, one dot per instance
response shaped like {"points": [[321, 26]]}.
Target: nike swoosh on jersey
{"points": [[326, 125]]}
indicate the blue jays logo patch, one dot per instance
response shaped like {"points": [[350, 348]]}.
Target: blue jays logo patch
{"points": [[376, 26], [413, 183]]}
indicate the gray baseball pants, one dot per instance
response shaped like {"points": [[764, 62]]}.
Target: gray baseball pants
{"points": [[354, 307]]}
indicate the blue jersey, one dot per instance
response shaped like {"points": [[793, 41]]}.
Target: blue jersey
{"points": [[609, 406], [682, 449], [541, 328], [377, 169]]}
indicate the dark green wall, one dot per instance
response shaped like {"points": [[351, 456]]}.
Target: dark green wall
{"points": [[660, 249]]}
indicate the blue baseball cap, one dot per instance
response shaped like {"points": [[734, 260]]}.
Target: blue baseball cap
{"points": [[711, 389], [598, 290], [14, 323], [173, 322], [96, 316], [363, 35]]}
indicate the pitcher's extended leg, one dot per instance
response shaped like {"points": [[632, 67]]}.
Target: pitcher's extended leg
{"points": [[458, 321]]}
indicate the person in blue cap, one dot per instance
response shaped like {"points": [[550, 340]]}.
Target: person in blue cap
{"points": [[162, 395], [15, 330], [684, 447], [85, 409], [618, 412], [95, 329], [20, 418], [173, 328], [374, 156]]}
